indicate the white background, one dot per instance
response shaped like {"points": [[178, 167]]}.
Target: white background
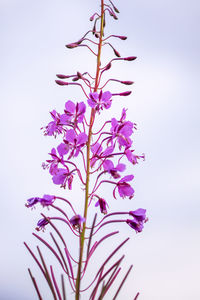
{"points": [[164, 103]]}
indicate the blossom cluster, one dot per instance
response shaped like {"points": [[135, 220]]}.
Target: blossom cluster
{"points": [[105, 155]]}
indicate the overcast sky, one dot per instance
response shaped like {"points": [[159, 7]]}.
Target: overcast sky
{"points": [[164, 35]]}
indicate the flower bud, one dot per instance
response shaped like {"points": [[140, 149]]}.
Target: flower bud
{"points": [[130, 58], [125, 93], [122, 37], [116, 52], [107, 67], [127, 82], [79, 75], [61, 76], [59, 82], [71, 46]]}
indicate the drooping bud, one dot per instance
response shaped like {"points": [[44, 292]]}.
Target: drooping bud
{"points": [[112, 14], [72, 45], [114, 7], [59, 82], [116, 52], [130, 58], [107, 67], [121, 37], [79, 75], [104, 20], [125, 93], [61, 76], [92, 17], [94, 29], [76, 78], [127, 82]]}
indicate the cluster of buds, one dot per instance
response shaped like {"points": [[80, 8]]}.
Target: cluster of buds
{"points": [[103, 154]]}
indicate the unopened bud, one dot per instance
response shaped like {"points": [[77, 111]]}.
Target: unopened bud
{"points": [[122, 37], [79, 42], [114, 7], [94, 29], [92, 18], [116, 52], [59, 82], [127, 82], [62, 76], [130, 58], [79, 75], [125, 93], [107, 67], [71, 46]]}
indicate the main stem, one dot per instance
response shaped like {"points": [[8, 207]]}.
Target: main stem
{"points": [[92, 117]]}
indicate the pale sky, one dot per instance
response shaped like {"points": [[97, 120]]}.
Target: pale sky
{"points": [[164, 35]]}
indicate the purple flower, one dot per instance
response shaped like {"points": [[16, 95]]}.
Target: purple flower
{"points": [[75, 142], [139, 218], [63, 176], [109, 167], [124, 189], [122, 132], [44, 201], [47, 200], [102, 204], [41, 224], [63, 149], [137, 226], [73, 113], [32, 201], [132, 157], [76, 221], [52, 164], [100, 101], [98, 153], [54, 127], [138, 214]]}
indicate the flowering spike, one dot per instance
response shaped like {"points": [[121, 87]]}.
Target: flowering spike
{"points": [[99, 157]]}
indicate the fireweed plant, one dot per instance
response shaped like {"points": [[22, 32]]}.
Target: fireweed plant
{"points": [[103, 156]]}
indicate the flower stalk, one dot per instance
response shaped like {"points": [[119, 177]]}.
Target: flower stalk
{"points": [[92, 117], [103, 156]]}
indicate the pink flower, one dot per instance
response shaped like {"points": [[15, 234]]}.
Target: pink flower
{"points": [[102, 204], [76, 221], [100, 101], [109, 167], [122, 132], [54, 127], [63, 176], [139, 218], [73, 113], [124, 188], [75, 142]]}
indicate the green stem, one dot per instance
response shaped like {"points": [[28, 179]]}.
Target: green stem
{"points": [[92, 117]]}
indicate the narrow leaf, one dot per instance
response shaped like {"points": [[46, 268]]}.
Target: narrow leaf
{"points": [[35, 285], [122, 283]]}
